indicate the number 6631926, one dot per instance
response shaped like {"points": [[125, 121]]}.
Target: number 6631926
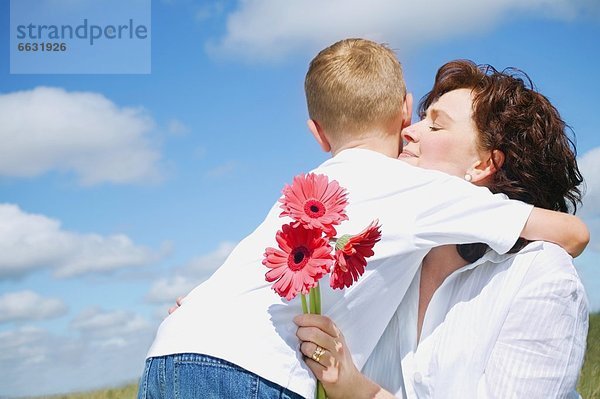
{"points": [[48, 46]]}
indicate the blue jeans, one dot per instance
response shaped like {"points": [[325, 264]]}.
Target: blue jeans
{"points": [[191, 376]]}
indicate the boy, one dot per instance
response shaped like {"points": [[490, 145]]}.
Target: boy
{"points": [[233, 337]]}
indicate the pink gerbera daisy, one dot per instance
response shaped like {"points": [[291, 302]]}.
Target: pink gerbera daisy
{"points": [[350, 255], [303, 258], [315, 202]]}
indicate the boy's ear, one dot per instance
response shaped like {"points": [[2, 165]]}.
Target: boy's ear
{"points": [[485, 169], [319, 135], [407, 110]]}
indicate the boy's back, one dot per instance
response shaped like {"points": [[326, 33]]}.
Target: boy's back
{"points": [[236, 316]]}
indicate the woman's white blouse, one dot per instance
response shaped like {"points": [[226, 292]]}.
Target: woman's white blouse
{"points": [[507, 326]]}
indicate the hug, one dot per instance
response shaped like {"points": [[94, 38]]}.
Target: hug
{"points": [[471, 292]]}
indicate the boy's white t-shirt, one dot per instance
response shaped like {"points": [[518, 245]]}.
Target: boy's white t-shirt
{"points": [[236, 316]]}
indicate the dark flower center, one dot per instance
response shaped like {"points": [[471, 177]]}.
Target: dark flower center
{"points": [[298, 258], [314, 208]]}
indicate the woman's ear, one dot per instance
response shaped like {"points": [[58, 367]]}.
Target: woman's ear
{"points": [[484, 169], [498, 157]]}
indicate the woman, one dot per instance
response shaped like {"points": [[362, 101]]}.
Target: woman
{"points": [[474, 323]]}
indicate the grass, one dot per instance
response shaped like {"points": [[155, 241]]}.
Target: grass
{"points": [[125, 392], [588, 387], [589, 382]]}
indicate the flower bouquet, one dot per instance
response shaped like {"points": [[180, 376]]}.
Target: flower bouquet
{"points": [[305, 252]]}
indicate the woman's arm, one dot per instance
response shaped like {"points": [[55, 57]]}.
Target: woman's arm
{"points": [[563, 229], [335, 368]]}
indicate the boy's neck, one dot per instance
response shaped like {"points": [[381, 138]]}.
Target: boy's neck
{"points": [[389, 145]]}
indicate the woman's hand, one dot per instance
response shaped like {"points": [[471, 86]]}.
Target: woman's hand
{"points": [[332, 364]]}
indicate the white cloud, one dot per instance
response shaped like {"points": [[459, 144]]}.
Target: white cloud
{"points": [[587, 269], [21, 344], [184, 279], [50, 129], [587, 264], [29, 242], [266, 30], [28, 305], [167, 290], [36, 362], [209, 10], [200, 152], [109, 326], [589, 165], [221, 171], [177, 128]]}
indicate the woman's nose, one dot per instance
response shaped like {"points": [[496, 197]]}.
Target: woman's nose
{"points": [[410, 134]]}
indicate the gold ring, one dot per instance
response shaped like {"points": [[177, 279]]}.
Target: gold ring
{"points": [[316, 356]]}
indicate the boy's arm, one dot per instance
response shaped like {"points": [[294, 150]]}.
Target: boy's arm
{"points": [[455, 212], [562, 229]]}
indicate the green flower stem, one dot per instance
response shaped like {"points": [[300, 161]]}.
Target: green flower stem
{"points": [[304, 305], [321, 391], [317, 299], [313, 301], [315, 308]]}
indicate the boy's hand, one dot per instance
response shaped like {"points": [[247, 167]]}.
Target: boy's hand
{"points": [[178, 303]]}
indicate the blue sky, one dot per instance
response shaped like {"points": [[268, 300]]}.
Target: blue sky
{"points": [[120, 192]]}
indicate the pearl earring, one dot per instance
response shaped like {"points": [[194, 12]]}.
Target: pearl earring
{"points": [[468, 177]]}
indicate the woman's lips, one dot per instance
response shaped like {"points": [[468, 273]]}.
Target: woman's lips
{"points": [[407, 154]]}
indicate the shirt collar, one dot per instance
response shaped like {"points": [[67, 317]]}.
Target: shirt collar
{"points": [[494, 257], [353, 153]]}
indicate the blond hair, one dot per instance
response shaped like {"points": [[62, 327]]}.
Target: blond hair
{"points": [[354, 86]]}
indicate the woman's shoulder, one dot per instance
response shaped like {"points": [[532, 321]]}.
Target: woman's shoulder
{"points": [[550, 267], [549, 249]]}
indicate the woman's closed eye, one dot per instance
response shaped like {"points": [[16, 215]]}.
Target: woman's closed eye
{"points": [[434, 128]]}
